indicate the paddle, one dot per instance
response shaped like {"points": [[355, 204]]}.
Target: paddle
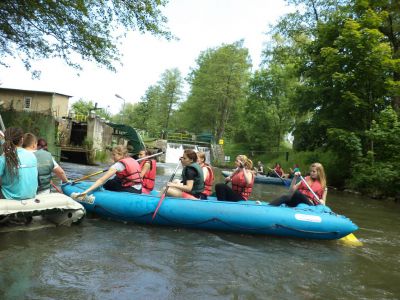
{"points": [[283, 180], [350, 238], [314, 194], [88, 176], [105, 170], [54, 186], [165, 192]]}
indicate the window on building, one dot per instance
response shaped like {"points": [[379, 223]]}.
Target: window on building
{"points": [[27, 103]]}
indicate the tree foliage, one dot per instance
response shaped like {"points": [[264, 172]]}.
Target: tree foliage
{"points": [[91, 29], [347, 69], [84, 107], [378, 174], [156, 108], [218, 83], [271, 92], [346, 76]]}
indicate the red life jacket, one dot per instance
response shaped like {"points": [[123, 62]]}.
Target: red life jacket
{"points": [[240, 186], [315, 186], [208, 183], [279, 171], [131, 174], [150, 176]]}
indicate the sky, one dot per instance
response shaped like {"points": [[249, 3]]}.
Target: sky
{"points": [[199, 25]]}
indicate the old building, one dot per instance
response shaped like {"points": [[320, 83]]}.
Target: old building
{"points": [[50, 103]]}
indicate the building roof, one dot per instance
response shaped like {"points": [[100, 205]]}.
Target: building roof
{"points": [[35, 91]]}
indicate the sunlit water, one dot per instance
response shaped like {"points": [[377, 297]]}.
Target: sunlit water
{"points": [[101, 259]]}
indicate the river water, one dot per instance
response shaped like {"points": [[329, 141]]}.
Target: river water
{"points": [[100, 259]]}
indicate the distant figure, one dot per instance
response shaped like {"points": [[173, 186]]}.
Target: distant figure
{"points": [[127, 174], [42, 144], [18, 168], [300, 193], [46, 163], [242, 182], [260, 168], [277, 171], [294, 170], [208, 173], [148, 173], [192, 184]]}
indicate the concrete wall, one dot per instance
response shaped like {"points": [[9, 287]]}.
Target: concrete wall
{"points": [[44, 102], [64, 132], [99, 132], [59, 105]]}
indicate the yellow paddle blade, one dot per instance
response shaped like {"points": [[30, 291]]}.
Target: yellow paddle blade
{"points": [[351, 240]]}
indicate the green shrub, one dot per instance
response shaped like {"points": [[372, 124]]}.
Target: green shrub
{"points": [[102, 156]]}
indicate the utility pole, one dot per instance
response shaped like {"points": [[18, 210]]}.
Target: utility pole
{"points": [[123, 107]]}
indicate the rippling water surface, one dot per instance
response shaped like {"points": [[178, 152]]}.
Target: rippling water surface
{"points": [[101, 259]]}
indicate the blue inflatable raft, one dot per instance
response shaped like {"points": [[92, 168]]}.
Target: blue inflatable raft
{"points": [[252, 217]]}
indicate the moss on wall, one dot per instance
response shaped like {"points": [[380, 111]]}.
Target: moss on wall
{"points": [[41, 125]]}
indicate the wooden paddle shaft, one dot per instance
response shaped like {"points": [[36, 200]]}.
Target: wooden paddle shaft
{"points": [[105, 170]]}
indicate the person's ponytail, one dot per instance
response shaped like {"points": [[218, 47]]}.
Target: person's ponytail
{"points": [[12, 138]]}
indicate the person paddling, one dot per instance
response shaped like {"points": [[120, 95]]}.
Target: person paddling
{"points": [[148, 173], [278, 171], [127, 174], [311, 190], [192, 184], [242, 181]]}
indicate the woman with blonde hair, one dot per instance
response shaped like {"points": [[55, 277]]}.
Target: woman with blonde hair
{"points": [[127, 174], [311, 190], [242, 181]]}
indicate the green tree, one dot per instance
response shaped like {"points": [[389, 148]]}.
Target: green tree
{"points": [[171, 93], [385, 15], [153, 113], [377, 174], [146, 112], [271, 90], [346, 76], [91, 29], [84, 107], [348, 70], [218, 82]]}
